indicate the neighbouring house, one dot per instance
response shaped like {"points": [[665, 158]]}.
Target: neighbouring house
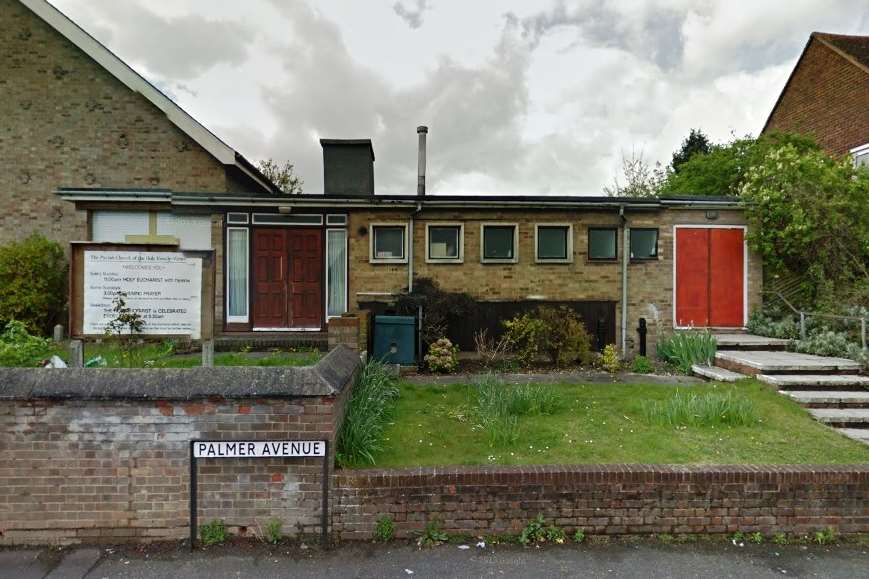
{"points": [[74, 114], [827, 95], [286, 267]]}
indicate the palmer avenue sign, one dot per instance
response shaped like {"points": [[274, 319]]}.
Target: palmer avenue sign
{"points": [[259, 449], [208, 449]]}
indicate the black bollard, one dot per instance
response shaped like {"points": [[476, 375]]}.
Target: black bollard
{"points": [[641, 330]]}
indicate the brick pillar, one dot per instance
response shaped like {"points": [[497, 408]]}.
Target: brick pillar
{"points": [[344, 330]]}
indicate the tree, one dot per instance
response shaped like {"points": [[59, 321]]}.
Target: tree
{"points": [[640, 179], [696, 143], [809, 214], [283, 176]]}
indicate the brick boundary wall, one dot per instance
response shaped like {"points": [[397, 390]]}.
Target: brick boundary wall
{"points": [[102, 455], [606, 499]]}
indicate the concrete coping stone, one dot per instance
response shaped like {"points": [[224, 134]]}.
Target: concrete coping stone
{"points": [[326, 378]]}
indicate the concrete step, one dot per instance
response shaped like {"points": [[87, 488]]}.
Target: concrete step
{"points": [[858, 434], [774, 362], [734, 341], [829, 398], [816, 381], [842, 417], [715, 373]]}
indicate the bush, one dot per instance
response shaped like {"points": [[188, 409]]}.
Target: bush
{"points": [[642, 365], [525, 335], [371, 403], [565, 340], [490, 351], [762, 325], [384, 529], [610, 360], [21, 349], [684, 349], [32, 283], [213, 533], [442, 310], [712, 409], [442, 356]]}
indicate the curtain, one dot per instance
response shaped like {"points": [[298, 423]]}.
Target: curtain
{"points": [[336, 272], [237, 272]]}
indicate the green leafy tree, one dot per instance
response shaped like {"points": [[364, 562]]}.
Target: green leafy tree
{"points": [[809, 214], [695, 143], [32, 283], [284, 176]]}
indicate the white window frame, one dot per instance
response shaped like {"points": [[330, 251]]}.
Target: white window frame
{"points": [[460, 245], [246, 317], [569, 258], [243, 219], [483, 226], [257, 219], [346, 272], [336, 220], [859, 152], [386, 260]]}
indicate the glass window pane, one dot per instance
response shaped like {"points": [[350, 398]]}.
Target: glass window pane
{"points": [[389, 242], [601, 243], [644, 243], [552, 242], [443, 242], [336, 272], [498, 242], [237, 261]]}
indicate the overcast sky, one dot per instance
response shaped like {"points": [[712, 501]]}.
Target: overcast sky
{"points": [[521, 97]]}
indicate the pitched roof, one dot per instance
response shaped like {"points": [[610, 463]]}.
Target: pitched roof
{"points": [[137, 83], [854, 49]]}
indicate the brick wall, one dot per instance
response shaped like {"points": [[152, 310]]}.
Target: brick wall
{"points": [[67, 122], [827, 97], [606, 499], [110, 462], [650, 283]]}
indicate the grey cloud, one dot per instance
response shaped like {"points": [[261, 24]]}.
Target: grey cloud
{"points": [[413, 16]]}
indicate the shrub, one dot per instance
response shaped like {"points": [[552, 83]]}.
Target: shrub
{"points": [[442, 310], [432, 535], [525, 335], [710, 409], [610, 360], [499, 406], [442, 356], [32, 283], [565, 339], [763, 325], [274, 531], [213, 533], [371, 403], [20, 348], [490, 351], [384, 529], [684, 349], [642, 365], [825, 343]]}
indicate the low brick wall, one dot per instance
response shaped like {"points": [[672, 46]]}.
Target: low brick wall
{"points": [[102, 455], [606, 499]]}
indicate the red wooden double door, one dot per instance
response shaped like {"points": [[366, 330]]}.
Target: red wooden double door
{"points": [[710, 277], [288, 274]]}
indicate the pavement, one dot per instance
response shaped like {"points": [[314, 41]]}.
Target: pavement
{"points": [[645, 560]]}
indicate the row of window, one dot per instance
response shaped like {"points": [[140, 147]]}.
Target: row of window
{"points": [[553, 243]]}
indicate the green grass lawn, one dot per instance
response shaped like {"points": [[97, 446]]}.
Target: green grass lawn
{"points": [[607, 423]]}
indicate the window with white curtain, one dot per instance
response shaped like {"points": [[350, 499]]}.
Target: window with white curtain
{"points": [[237, 274], [336, 272]]}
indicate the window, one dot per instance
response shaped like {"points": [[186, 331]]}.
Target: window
{"points": [[242, 218], [554, 243], [286, 219], [861, 155], [602, 243], [336, 220], [388, 243], [237, 274], [336, 272], [499, 243], [644, 243], [444, 242]]}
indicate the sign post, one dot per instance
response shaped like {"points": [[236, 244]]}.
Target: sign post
{"points": [[217, 449]]}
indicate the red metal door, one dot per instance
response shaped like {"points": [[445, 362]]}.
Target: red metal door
{"points": [[270, 278], [306, 274], [710, 277], [726, 278], [692, 277]]}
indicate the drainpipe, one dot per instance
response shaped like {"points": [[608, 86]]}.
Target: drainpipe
{"points": [[625, 256], [421, 131]]}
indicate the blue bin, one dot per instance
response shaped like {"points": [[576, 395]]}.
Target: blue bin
{"points": [[395, 339]]}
